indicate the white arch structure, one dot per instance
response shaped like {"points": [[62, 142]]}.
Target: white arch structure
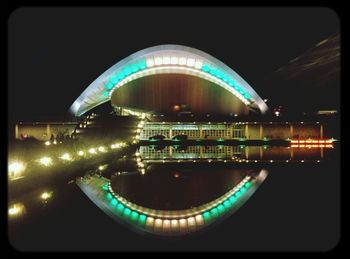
{"points": [[165, 59]]}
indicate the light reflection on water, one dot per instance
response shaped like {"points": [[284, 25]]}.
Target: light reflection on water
{"points": [[163, 184]]}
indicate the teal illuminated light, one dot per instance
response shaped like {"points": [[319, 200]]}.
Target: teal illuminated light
{"points": [[105, 187], [206, 216], [205, 68], [120, 208], [233, 198], [238, 194], [127, 212], [248, 184], [221, 208], [243, 189], [142, 219], [106, 93], [134, 215], [109, 196], [109, 85], [227, 203], [114, 202], [214, 212]]}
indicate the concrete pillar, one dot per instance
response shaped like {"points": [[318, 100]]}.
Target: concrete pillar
{"points": [[291, 153], [246, 152], [291, 131], [200, 131], [170, 132], [232, 126], [261, 131], [16, 132], [261, 152], [321, 152], [48, 131], [246, 131], [321, 131]]}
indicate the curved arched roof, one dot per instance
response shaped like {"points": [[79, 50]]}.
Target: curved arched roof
{"points": [[166, 59]]}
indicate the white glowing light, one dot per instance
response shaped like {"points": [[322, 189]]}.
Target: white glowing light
{"points": [[45, 195], [16, 168], [81, 153], [46, 161], [198, 64], [54, 142], [92, 151], [66, 156], [158, 61], [47, 143], [182, 61], [190, 62], [102, 149], [16, 209], [150, 62], [174, 60], [166, 60]]}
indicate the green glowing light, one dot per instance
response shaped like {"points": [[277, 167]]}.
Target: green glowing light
{"points": [[109, 85], [120, 208], [106, 93], [233, 199], [127, 212], [109, 196], [238, 194], [227, 203], [134, 215], [243, 190], [221, 208], [214, 212], [114, 202], [142, 64], [205, 68], [105, 187], [206, 216], [142, 219], [248, 184]]}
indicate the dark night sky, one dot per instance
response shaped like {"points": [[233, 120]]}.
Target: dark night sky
{"points": [[54, 54]]}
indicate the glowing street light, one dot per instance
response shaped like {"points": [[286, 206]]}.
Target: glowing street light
{"points": [[47, 143], [46, 161], [81, 153], [46, 195], [66, 156], [102, 149], [15, 168], [16, 209], [92, 151]]}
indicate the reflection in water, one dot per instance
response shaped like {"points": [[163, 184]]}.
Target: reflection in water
{"points": [[175, 198], [230, 153], [172, 190], [177, 220]]}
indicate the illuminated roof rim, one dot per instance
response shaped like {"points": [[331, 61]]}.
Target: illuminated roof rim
{"points": [[96, 89]]}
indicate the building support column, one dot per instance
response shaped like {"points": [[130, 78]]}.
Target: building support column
{"points": [[48, 131], [291, 131], [246, 131], [291, 153], [261, 131], [261, 152], [170, 132], [321, 131], [16, 131]]}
